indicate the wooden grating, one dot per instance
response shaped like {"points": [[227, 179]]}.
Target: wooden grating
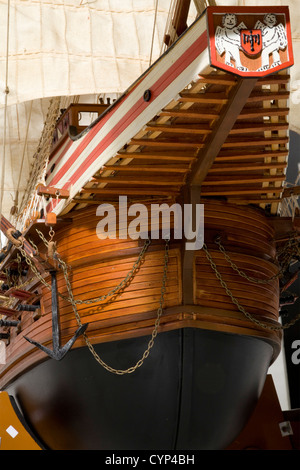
{"points": [[249, 168]]}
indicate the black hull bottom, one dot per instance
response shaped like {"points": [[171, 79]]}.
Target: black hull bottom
{"points": [[195, 391]]}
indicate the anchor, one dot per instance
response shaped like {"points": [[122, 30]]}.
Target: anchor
{"points": [[58, 352]]}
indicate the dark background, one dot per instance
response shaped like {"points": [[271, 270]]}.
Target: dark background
{"points": [[293, 333]]}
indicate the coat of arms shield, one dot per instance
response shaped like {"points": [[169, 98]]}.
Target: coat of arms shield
{"points": [[251, 41]]}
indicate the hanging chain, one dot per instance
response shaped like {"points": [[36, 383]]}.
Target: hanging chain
{"points": [[241, 273], [122, 284], [236, 302], [154, 331], [289, 252], [131, 273], [127, 278]]}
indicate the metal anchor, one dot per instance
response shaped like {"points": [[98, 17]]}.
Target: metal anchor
{"points": [[58, 352]]}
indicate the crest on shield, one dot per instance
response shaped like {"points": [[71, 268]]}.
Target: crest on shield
{"points": [[251, 41], [248, 41]]}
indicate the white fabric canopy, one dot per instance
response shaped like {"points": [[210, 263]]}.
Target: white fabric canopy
{"points": [[77, 47]]}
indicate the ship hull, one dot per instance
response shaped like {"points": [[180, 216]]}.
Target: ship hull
{"points": [[196, 386], [196, 391]]}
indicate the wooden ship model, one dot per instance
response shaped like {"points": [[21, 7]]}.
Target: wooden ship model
{"points": [[157, 341]]}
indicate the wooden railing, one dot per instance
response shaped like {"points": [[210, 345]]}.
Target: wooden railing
{"points": [[72, 117]]}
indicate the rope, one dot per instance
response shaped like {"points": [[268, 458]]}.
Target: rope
{"points": [[6, 91], [23, 156], [30, 198], [154, 26]]}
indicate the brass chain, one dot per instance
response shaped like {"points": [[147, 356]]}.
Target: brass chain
{"points": [[240, 272], [130, 274], [112, 292], [126, 280], [154, 331], [237, 303]]}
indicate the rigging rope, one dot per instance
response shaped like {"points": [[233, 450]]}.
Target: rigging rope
{"points": [[31, 201], [16, 202], [154, 26], [6, 91]]}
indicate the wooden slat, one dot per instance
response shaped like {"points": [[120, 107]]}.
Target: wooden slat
{"points": [[220, 79], [201, 113], [147, 169], [256, 141], [135, 181], [246, 201], [249, 156], [179, 129], [228, 79], [158, 156], [253, 127], [167, 144], [221, 180], [238, 129], [216, 98], [245, 167], [123, 191], [248, 113], [241, 191], [268, 96], [274, 79]]}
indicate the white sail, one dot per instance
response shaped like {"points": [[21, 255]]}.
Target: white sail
{"points": [[65, 48]]}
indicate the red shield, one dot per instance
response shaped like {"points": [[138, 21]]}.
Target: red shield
{"points": [[251, 41]]}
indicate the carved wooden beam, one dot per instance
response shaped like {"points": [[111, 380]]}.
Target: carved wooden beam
{"points": [[293, 191], [224, 124], [53, 192]]}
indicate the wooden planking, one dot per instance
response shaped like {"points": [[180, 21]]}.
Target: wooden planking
{"points": [[99, 265], [245, 167], [216, 180], [176, 140], [149, 157], [252, 157], [152, 141], [271, 124], [146, 168]]}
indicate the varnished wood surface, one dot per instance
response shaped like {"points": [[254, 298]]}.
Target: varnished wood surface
{"points": [[248, 168], [99, 265]]}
